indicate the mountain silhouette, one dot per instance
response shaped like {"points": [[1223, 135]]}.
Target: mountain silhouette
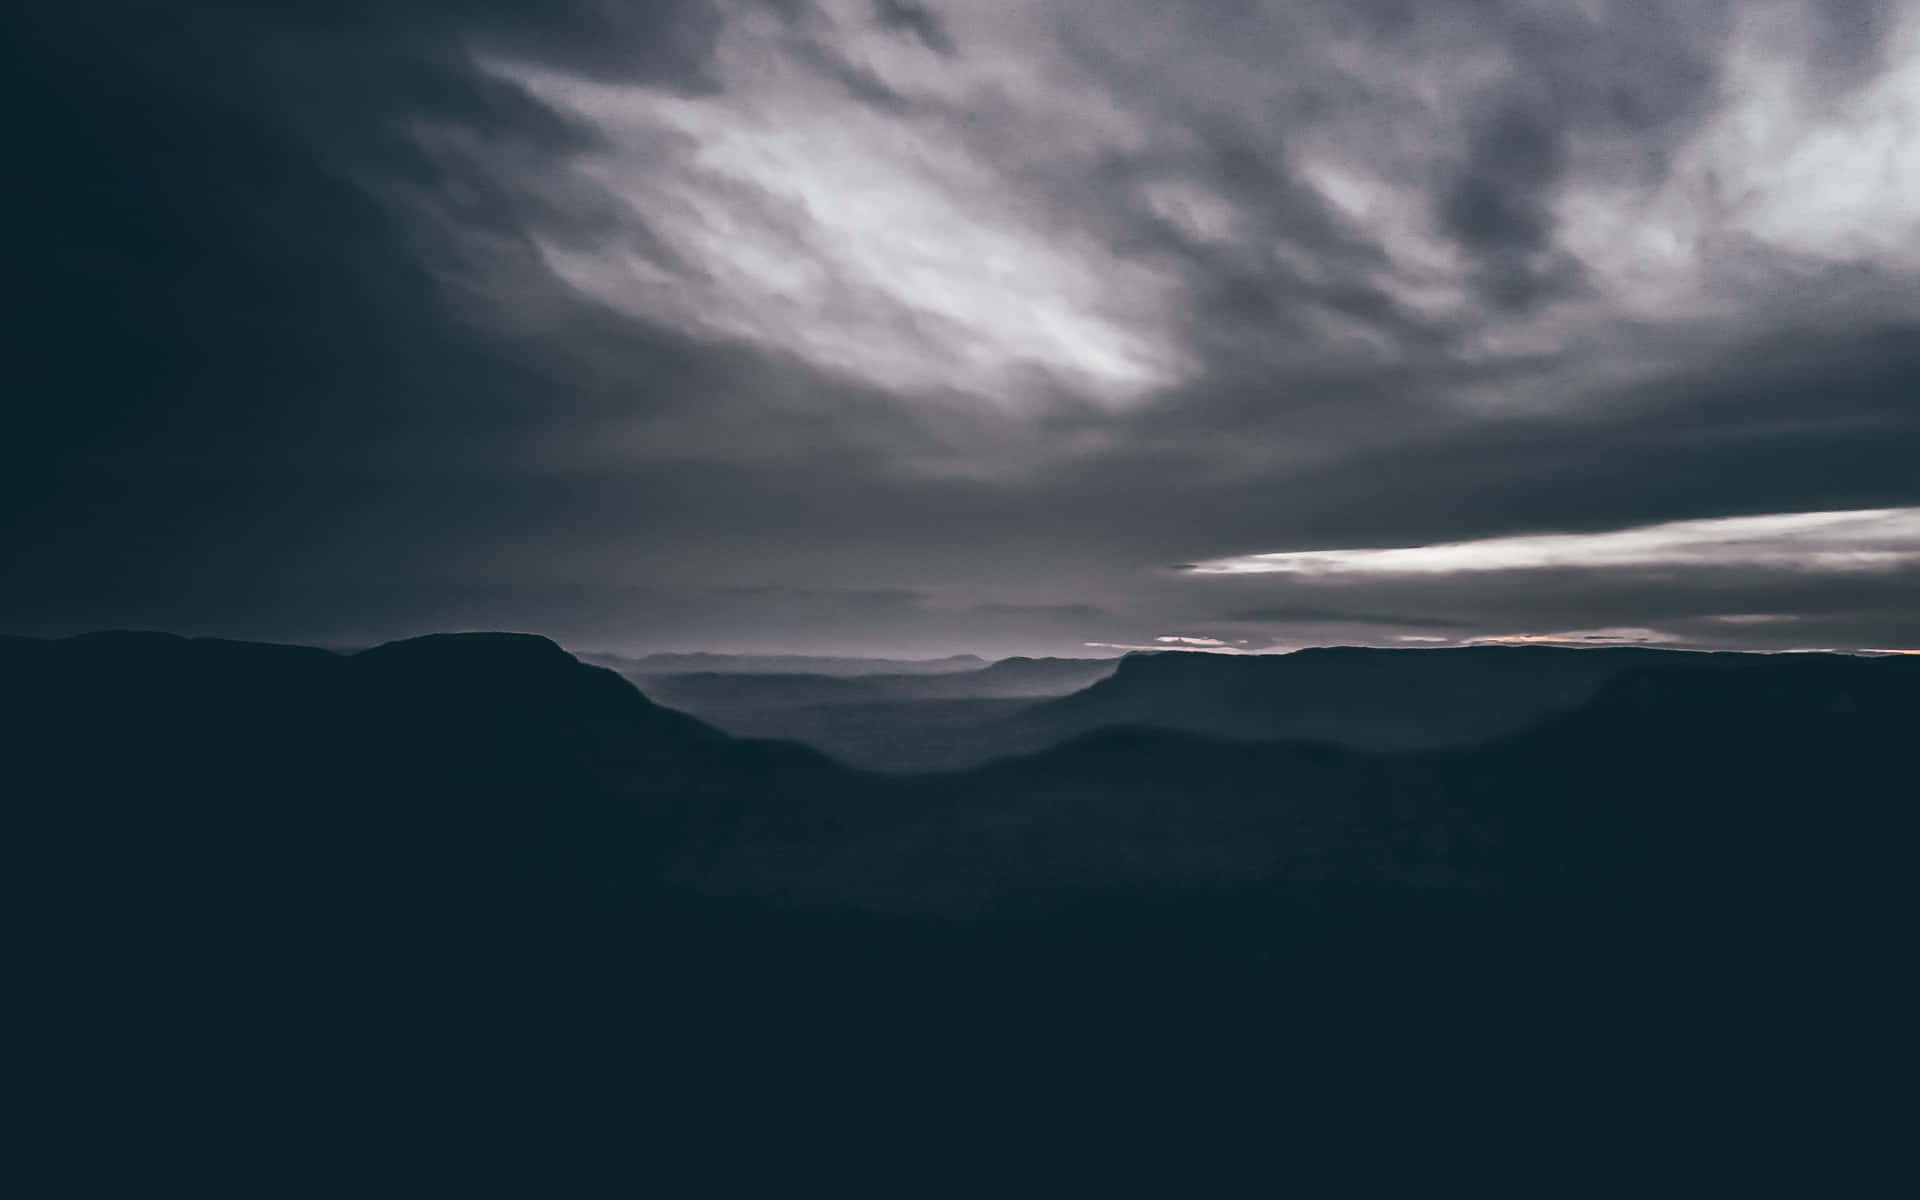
{"points": [[467, 882], [1365, 698], [494, 761], [1369, 698]]}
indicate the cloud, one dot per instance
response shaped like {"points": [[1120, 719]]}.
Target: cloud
{"points": [[1226, 643], [916, 20], [1868, 540], [785, 211], [1155, 646], [1061, 612], [1308, 614], [1617, 636], [719, 322]]}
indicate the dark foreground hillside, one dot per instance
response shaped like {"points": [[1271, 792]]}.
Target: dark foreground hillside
{"points": [[464, 908]]}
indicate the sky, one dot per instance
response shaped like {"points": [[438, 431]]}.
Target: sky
{"points": [[911, 329]]}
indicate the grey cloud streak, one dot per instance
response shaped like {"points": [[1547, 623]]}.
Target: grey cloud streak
{"points": [[705, 324]]}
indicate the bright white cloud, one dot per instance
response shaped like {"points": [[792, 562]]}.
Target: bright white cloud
{"points": [[1158, 644], [1613, 635], [1783, 163], [873, 242], [960, 237], [1861, 540], [1820, 177]]}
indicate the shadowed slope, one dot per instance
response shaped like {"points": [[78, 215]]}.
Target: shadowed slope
{"points": [[1646, 786], [467, 883], [1375, 699]]}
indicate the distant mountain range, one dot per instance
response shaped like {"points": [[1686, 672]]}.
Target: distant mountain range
{"points": [[272, 884], [1010, 678], [781, 664], [1371, 699], [500, 757], [1356, 696], [893, 722]]}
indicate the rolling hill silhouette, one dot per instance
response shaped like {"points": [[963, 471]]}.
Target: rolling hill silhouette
{"points": [[1369, 698], [272, 888]]}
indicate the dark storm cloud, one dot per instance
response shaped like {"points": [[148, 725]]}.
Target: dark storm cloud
{"points": [[1851, 39], [1634, 76], [682, 325], [248, 340], [916, 20], [1627, 81], [1831, 423], [202, 211], [1309, 614], [1495, 208], [1068, 612], [1717, 607]]}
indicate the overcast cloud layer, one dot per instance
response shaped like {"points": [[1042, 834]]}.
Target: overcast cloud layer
{"points": [[883, 327]]}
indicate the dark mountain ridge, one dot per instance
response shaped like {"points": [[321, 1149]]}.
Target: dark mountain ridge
{"points": [[1368, 698], [414, 886], [512, 748], [1680, 752], [1360, 696]]}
